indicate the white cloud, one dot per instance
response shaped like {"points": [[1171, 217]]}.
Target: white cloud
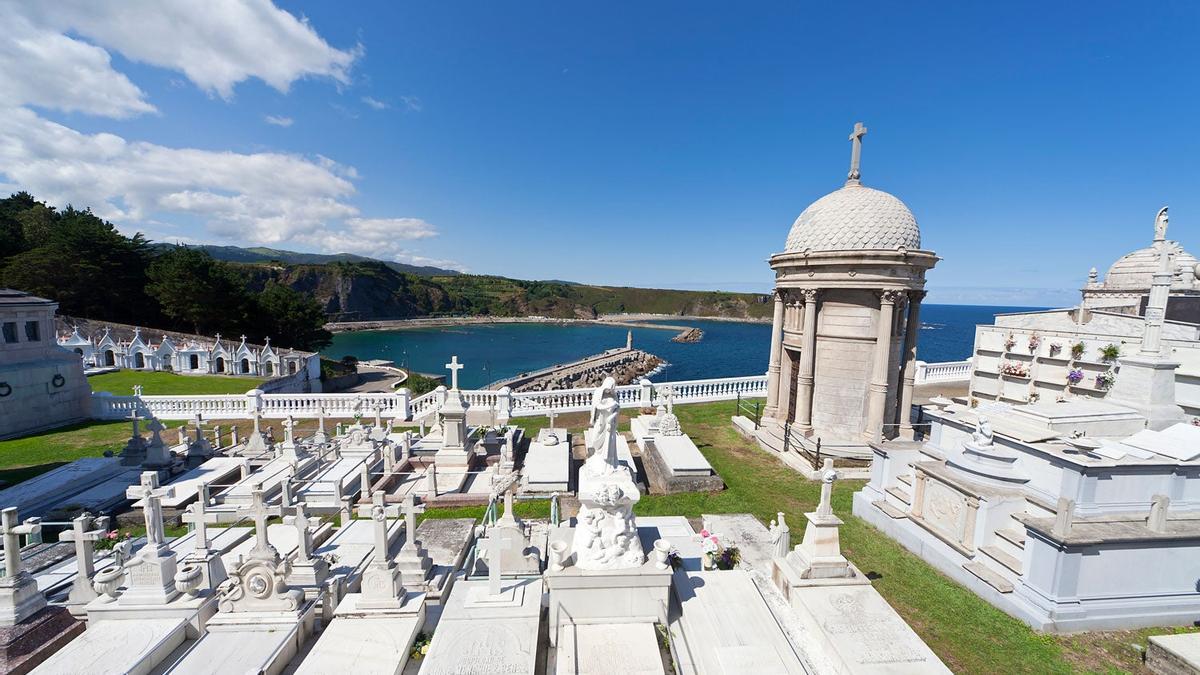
{"points": [[215, 43], [279, 120], [267, 198], [411, 103], [48, 69], [375, 103]]}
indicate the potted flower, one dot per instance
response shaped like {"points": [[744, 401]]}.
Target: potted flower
{"points": [[1109, 353], [1105, 380], [420, 647], [1033, 397], [1009, 342], [1075, 376], [1055, 348], [1077, 350], [1015, 368], [710, 546], [110, 540], [1034, 341], [728, 558]]}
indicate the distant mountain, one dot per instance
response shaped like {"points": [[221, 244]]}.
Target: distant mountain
{"points": [[261, 254]]}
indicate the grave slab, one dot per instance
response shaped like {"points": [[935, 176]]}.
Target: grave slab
{"points": [[367, 642], [483, 639], [603, 649], [547, 467], [134, 646]]}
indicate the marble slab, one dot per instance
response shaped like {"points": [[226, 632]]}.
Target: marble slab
{"points": [[265, 648], [188, 484], [271, 476], [134, 646], [40, 493], [547, 468], [363, 646], [862, 632], [604, 649], [1180, 441], [484, 638], [681, 456]]}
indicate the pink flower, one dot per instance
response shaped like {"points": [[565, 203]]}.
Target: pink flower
{"points": [[704, 534], [714, 540], [112, 535]]}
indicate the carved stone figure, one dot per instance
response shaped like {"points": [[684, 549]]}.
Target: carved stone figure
{"points": [[982, 437]]}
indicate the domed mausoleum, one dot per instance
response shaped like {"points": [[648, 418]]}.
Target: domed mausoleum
{"points": [[848, 288], [1126, 285]]}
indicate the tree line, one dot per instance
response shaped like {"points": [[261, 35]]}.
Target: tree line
{"points": [[93, 271]]}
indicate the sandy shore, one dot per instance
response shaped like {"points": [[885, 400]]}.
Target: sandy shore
{"points": [[628, 320]]}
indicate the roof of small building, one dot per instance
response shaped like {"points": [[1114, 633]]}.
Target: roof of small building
{"points": [[854, 218], [1135, 270]]}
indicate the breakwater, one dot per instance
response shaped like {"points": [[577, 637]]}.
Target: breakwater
{"points": [[625, 364]]}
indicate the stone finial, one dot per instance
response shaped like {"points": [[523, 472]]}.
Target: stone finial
{"points": [[1093, 276]]}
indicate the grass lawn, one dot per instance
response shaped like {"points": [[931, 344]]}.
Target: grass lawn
{"points": [[968, 634], [24, 458], [160, 383]]}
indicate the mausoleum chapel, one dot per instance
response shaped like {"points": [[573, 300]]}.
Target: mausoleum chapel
{"points": [[848, 290]]}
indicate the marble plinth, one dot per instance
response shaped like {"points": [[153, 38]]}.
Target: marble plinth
{"points": [[30, 642]]}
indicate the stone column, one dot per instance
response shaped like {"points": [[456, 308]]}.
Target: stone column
{"points": [[808, 360], [913, 330], [877, 389], [773, 382], [785, 387]]}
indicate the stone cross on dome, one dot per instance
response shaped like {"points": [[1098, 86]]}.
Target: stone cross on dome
{"points": [[454, 366], [856, 137]]}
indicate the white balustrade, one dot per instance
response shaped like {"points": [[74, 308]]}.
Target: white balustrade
{"points": [[944, 371], [392, 405]]}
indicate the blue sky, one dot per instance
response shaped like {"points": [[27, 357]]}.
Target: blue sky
{"points": [[647, 144]]}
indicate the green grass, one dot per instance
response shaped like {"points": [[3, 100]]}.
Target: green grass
{"points": [[24, 458], [160, 383]]}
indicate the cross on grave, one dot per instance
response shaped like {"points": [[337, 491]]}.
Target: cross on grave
{"points": [[199, 510], [12, 538], [287, 425], [304, 529], [321, 420], [151, 494], [85, 538], [454, 366], [411, 510], [828, 476], [497, 539], [135, 418], [257, 419], [378, 416], [856, 137], [553, 415], [379, 513], [197, 424], [260, 512]]}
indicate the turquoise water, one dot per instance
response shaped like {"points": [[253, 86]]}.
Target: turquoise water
{"points": [[729, 349]]}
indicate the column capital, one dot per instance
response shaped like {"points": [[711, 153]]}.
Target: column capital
{"points": [[889, 297], [917, 296], [810, 294]]}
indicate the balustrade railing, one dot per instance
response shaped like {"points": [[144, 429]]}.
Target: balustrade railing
{"points": [[399, 405], [944, 371]]}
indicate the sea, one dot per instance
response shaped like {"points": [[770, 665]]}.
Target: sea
{"points": [[728, 349]]}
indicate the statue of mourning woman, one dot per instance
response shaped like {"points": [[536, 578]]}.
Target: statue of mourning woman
{"points": [[602, 437], [982, 436]]}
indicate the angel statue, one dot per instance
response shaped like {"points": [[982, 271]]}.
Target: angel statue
{"points": [[602, 437]]}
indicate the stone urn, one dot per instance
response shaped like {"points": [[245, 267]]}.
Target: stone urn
{"points": [[108, 581], [558, 556], [188, 578]]}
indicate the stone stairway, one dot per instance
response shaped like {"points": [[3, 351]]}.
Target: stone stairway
{"points": [[1001, 562]]}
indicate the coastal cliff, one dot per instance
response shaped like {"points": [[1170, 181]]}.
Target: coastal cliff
{"points": [[367, 291]]}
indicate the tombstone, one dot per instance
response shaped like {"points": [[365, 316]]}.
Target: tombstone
{"points": [[781, 536], [134, 452], [288, 449], [19, 595], [406, 442], [209, 561], [364, 480], [234, 440], [85, 532], [508, 453], [158, 456], [819, 555], [381, 582], [257, 443], [217, 436], [30, 631], [455, 446], [517, 556], [320, 437], [431, 485], [151, 573], [414, 560], [307, 569]]}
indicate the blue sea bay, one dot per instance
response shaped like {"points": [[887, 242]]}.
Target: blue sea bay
{"points": [[495, 351]]}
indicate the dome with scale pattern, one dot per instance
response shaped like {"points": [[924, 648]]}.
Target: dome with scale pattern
{"points": [[854, 218]]}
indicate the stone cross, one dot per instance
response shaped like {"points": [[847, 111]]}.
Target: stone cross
{"points": [[856, 137], [828, 476], [235, 440], [304, 531], [495, 546], [199, 511], [454, 366], [198, 422], [365, 479], [135, 418], [217, 436], [261, 512], [379, 513], [287, 425], [151, 495], [85, 539], [12, 538], [321, 420], [411, 509], [378, 416], [553, 415]]}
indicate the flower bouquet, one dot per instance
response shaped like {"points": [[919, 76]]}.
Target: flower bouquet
{"points": [[1075, 377], [1105, 380], [420, 647], [1034, 341], [1055, 348], [1016, 368], [1009, 342], [110, 540]]}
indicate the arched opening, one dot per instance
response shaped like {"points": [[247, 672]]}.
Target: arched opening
{"points": [[292, 368], [220, 364], [245, 366], [139, 361], [194, 362], [78, 351], [110, 359], [269, 368]]}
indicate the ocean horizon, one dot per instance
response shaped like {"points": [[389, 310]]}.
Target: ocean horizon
{"points": [[728, 349]]}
